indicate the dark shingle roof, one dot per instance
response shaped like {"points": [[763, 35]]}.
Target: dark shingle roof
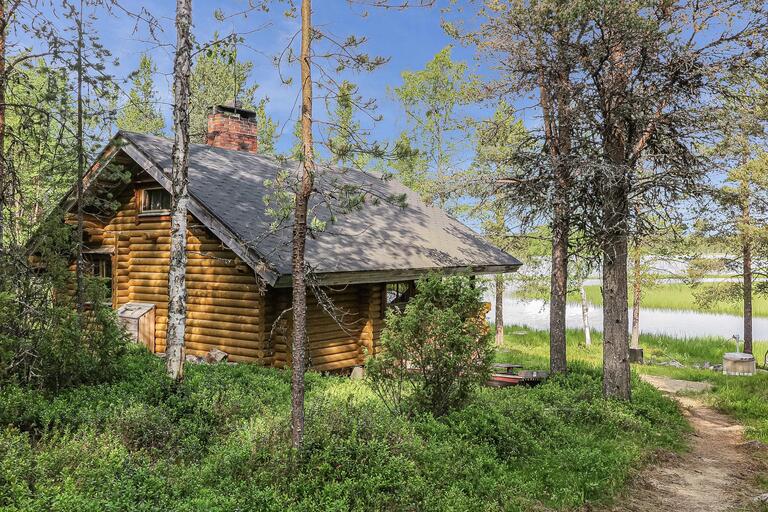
{"points": [[381, 236]]}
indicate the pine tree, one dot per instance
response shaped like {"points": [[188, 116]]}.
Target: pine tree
{"points": [[140, 113], [498, 140], [218, 77]]}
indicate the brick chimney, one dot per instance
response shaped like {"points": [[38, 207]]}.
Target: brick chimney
{"points": [[232, 127]]}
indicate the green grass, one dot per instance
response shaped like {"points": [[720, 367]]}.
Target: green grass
{"points": [[681, 297], [677, 296], [746, 398], [220, 441]]}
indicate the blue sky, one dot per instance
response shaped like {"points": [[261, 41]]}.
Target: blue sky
{"points": [[409, 38]]}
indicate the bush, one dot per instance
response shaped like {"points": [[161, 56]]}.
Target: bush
{"points": [[44, 342], [220, 441], [435, 350]]}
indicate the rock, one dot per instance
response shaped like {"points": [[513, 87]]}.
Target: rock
{"points": [[358, 373], [673, 363], [216, 356], [194, 359], [763, 498], [717, 368], [754, 445]]}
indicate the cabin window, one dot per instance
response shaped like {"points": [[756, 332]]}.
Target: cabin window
{"points": [[398, 294], [99, 266], [155, 201]]}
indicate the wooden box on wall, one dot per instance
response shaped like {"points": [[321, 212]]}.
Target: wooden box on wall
{"points": [[138, 318]]}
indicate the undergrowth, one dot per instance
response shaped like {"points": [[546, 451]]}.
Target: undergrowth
{"points": [[220, 441]]}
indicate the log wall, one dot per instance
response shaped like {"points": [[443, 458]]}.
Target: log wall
{"points": [[343, 325], [230, 308], [226, 307]]}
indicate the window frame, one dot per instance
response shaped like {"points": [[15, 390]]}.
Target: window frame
{"points": [[143, 199], [404, 291], [101, 266]]}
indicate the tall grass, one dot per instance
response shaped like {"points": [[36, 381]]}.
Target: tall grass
{"points": [[674, 296], [679, 296]]}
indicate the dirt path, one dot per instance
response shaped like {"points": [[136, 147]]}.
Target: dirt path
{"points": [[716, 475]]}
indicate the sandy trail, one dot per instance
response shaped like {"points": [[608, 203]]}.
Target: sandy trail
{"points": [[717, 474]]}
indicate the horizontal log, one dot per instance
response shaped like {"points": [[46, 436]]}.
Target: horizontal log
{"points": [[194, 251], [338, 348], [241, 330], [352, 357], [332, 329], [235, 290], [200, 289], [228, 314], [333, 337], [156, 299], [222, 334], [230, 342], [229, 349], [228, 298], [336, 365]]}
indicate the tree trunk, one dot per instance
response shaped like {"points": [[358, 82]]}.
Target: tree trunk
{"points": [[3, 82], [616, 371], [499, 310], [585, 317], [637, 298], [557, 132], [298, 348], [747, 289], [79, 263], [558, 293], [177, 285]]}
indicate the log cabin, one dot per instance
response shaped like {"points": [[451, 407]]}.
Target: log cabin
{"points": [[239, 253]]}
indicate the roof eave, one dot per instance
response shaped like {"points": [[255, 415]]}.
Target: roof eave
{"points": [[394, 275]]}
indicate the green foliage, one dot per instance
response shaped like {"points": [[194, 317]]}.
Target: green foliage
{"points": [[218, 77], [408, 164], [221, 441], [267, 128], [44, 342], [435, 351], [140, 113], [39, 146], [704, 297], [432, 99], [343, 127], [744, 397]]}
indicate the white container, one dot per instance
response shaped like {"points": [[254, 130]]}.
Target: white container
{"points": [[738, 363]]}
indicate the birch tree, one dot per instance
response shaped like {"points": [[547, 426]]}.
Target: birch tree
{"points": [[432, 99], [177, 286]]}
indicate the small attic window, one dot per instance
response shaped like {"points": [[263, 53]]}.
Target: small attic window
{"points": [[155, 201]]}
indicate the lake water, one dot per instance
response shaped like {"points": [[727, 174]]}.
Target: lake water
{"points": [[682, 324]]}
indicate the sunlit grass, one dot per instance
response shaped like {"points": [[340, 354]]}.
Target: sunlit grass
{"points": [[681, 297], [677, 296]]}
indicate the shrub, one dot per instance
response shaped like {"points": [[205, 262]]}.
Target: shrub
{"points": [[44, 342], [435, 350]]}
